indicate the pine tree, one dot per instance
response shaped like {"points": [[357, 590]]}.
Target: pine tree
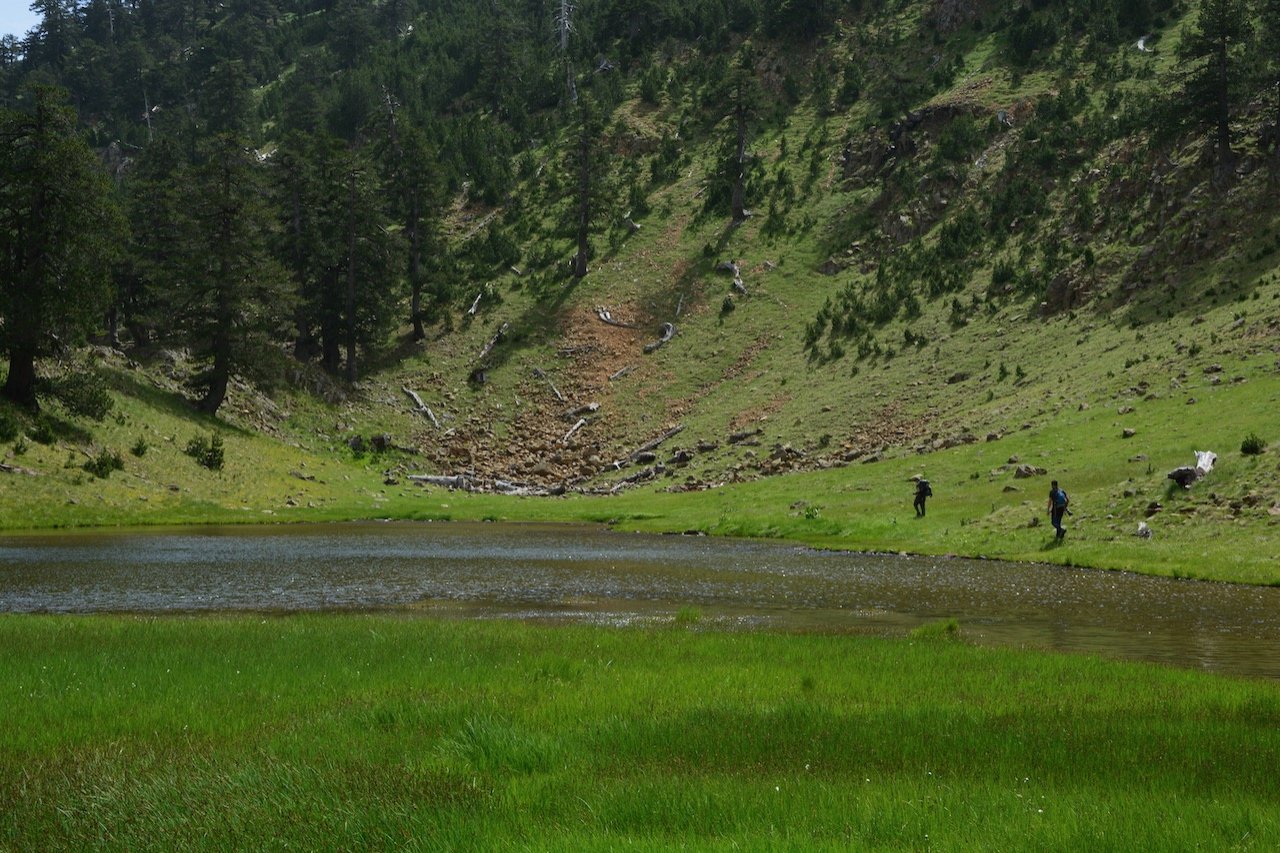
{"points": [[587, 167], [60, 227], [1269, 14], [51, 41], [344, 254], [227, 295], [417, 188], [1212, 52], [740, 98]]}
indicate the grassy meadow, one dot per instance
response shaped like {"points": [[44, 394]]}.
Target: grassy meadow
{"points": [[386, 731], [1225, 528]]}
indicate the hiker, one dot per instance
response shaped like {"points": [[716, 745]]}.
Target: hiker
{"points": [[1058, 502], [922, 491]]}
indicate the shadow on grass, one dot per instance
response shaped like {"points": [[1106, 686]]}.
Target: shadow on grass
{"points": [[168, 402]]}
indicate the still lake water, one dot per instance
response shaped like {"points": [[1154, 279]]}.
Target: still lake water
{"points": [[588, 574]]}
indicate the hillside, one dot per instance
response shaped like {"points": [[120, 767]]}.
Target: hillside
{"points": [[978, 235]]}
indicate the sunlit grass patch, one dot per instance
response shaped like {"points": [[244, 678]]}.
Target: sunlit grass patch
{"points": [[323, 731]]}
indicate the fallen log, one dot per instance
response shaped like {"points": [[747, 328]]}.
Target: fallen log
{"points": [[639, 454], [475, 304], [588, 409], [668, 332], [579, 425], [638, 477], [517, 489], [15, 469], [621, 373], [422, 407], [456, 482], [493, 342], [539, 373], [607, 317], [671, 433]]}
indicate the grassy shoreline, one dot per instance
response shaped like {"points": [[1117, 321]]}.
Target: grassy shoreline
{"points": [[1111, 454], [357, 730]]}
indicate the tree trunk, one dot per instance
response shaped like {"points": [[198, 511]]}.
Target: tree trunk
{"points": [[113, 326], [352, 368], [305, 346], [1226, 158], [219, 376], [739, 183], [330, 352], [584, 202], [20, 387], [415, 266]]}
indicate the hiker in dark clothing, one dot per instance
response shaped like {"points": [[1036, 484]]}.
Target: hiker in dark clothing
{"points": [[1058, 502], [922, 491]]}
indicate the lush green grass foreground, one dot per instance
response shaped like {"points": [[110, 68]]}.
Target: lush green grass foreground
{"points": [[352, 731]]}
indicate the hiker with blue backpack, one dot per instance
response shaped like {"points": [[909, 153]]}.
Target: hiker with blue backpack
{"points": [[1058, 503]]}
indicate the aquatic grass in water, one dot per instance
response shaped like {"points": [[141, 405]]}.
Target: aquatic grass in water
{"points": [[337, 731]]}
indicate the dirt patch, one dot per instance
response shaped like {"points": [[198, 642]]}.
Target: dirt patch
{"points": [[539, 444], [753, 415]]}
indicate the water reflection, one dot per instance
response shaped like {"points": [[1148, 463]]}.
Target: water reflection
{"points": [[589, 574]]}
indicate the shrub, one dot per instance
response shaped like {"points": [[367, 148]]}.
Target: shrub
{"points": [[207, 451], [1003, 274], [139, 448], [1252, 445], [83, 394], [104, 463], [943, 629], [8, 427], [42, 432], [688, 616]]}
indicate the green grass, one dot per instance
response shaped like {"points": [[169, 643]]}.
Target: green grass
{"points": [[1222, 529], [357, 731]]}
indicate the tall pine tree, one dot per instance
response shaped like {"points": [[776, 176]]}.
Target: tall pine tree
{"points": [[228, 296], [1212, 54], [59, 229]]}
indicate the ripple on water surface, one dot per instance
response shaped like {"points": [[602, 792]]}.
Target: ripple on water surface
{"points": [[593, 575]]}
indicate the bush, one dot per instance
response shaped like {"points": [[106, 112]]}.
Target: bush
{"points": [[943, 629], [207, 451], [83, 394], [1252, 445], [42, 432], [8, 427], [140, 447], [104, 463]]}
